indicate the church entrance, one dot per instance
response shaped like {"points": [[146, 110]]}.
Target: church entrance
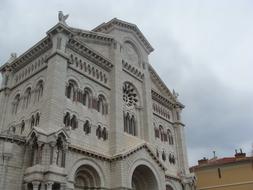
{"points": [[87, 178], [144, 178]]}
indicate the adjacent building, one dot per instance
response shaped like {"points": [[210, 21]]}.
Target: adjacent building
{"points": [[86, 110], [229, 173]]}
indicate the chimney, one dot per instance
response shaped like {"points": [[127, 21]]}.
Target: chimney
{"points": [[240, 155], [203, 161]]}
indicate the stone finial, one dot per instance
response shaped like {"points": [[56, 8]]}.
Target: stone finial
{"points": [[62, 18]]}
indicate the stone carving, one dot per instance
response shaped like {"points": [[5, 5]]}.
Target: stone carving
{"points": [[62, 18]]}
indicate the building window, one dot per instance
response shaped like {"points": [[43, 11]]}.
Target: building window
{"points": [[87, 97], [129, 94], [71, 90], [73, 122], [102, 106], [16, 104], [66, 119], [27, 97], [39, 90], [86, 127], [170, 136], [164, 156], [99, 132], [172, 159], [129, 124]]}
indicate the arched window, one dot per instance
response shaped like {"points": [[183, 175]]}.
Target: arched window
{"points": [[37, 119], [66, 119], [60, 157], [104, 134], [27, 97], [170, 136], [32, 121], [157, 134], [87, 97], [172, 159], [16, 104], [71, 90], [86, 127], [161, 131], [39, 90], [99, 132], [73, 122], [132, 126], [102, 105]]}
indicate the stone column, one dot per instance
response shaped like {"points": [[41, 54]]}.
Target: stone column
{"points": [[36, 185], [53, 155], [63, 185], [49, 185], [39, 153]]}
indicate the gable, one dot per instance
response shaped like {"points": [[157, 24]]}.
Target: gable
{"points": [[116, 24]]}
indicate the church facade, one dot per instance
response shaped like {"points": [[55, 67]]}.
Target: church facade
{"points": [[86, 110]]}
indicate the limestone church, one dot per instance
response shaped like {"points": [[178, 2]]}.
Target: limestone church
{"points": [[86, 110]]}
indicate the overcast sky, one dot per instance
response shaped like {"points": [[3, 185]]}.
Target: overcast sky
{"points": [[203, 50]]}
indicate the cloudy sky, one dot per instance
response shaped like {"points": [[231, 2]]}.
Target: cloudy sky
{"points": [[203, 50]]}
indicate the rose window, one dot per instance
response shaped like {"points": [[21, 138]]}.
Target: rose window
{"points": [[129, 94]]}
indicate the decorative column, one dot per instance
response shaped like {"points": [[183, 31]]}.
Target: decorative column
{"points": [[49, 185], [53, 153], [63, 185], [36, 185], [39, 152]]}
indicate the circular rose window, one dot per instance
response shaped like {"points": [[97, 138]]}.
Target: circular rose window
{"points": [[129, 94]]}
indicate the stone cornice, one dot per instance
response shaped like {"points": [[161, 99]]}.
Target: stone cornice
{"points": [[32, 53], [105, 27], [157, 80], [90, 54], [90, 35], [162, 100]]}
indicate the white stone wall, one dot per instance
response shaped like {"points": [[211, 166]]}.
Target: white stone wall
{"points": [[114, 159]]}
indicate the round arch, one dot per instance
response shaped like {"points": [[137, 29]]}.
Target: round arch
{"points": [[91, 168], [144, 167], [136, 48]]}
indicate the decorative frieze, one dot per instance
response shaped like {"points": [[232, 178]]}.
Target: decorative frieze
{"points": [[31, 68], [162, 100], [90, 54], [88, 69], [161, 111], [132, 70], [32, 53]]}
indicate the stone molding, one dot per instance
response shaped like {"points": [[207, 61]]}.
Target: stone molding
{"points": [[90, 54], [106, 27]]}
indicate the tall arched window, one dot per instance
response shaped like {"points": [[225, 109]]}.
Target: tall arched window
{"points": [[87, 97], [104, 134], [163, 135], [86, 127], [99, 132], [73, 122], [129, 124], [102, 105], [16, 104], [39, 90], [66, 119], [132, 130], [71, 90], [170, 136], [27, 97]]}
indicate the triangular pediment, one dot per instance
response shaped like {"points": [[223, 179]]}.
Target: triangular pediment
{"points": [[126, 26]]}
